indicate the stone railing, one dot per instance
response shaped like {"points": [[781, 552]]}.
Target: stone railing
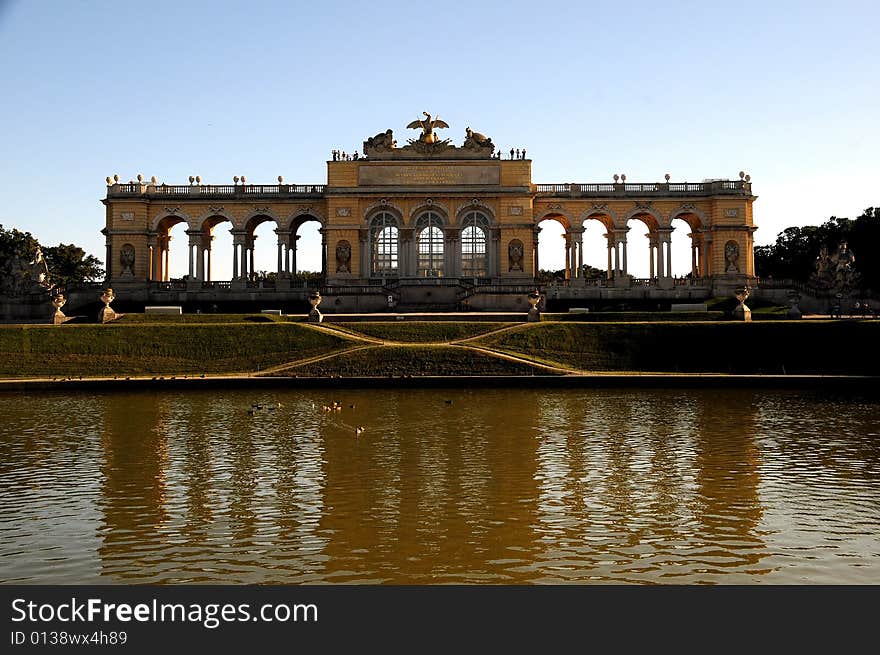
{"points": [[713, 188], [215, 191]]}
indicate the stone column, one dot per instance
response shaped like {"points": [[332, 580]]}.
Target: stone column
{"points": [[200, 262], [579, 236], [707, 254], [365, 252], [536, 266], [196, 258], [625, 270], [152, 248], [405, 248], [323, 232], [492, 267], [238, 256], [609, 238], [166, 274], [652, 245], [207, 247], [567, 239]]}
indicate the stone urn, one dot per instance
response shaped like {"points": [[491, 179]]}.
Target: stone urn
{"points": [[794, 312], [107, 314], [58, 302], [742, 312], [534, 298], [314, 300]]}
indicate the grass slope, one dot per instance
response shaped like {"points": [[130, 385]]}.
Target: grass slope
{"points": [[775, 347], [95, 350], [412, 360], [423, 331]]}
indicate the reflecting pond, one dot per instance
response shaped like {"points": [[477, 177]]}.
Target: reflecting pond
{"points": [[475, 486]]}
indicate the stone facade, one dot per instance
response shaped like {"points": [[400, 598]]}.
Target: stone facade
{"points": [[392, 221]]}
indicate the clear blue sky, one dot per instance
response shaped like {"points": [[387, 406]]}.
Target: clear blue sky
{"points": [[787, 91]]}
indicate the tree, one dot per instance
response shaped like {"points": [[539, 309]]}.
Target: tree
{"points": [[794, 254], [16, 250], [69, 265]]}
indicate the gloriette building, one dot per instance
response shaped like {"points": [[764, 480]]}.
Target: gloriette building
{"points": [[427, 225]]}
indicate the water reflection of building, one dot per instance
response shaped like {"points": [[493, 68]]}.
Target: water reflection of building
{"points": [[134, 489], [437, 492], [728, 506], [630, 490]]}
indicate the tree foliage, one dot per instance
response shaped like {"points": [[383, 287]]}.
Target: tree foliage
{"points": [[68, 264], [794, 254]]}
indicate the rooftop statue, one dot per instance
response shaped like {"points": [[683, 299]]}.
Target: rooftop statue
{"points": [[427, 126], [429, 145]]}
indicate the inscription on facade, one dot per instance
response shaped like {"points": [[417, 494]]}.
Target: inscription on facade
{"points": [[440, 175]]}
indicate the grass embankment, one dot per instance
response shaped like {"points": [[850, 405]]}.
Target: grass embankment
{"points": [[190, 319], [774, 347], [397, 361], [146, 349], [422, 331], [632, 317]]}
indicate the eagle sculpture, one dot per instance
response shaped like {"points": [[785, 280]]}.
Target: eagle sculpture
{"points": [[427, 126]]}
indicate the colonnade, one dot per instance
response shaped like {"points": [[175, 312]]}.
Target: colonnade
{"points": [[200, 252], [659, 253]]}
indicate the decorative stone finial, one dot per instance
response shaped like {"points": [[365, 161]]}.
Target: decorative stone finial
{"points": [[616, 177], [280, 179], [107, 314], [235, 179], [314, 300], [109, 181], [116, 178], [140, 178], [742, 174], [153, 180], [748, 178], [534, 298], [198, 179], [191, 179], [667, 176], [243, 179], [623, 177]]}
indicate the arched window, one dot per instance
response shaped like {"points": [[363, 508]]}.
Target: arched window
{"points": [[473, 245], [384, 236], [430, 245]]}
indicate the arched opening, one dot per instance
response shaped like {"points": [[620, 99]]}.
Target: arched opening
{"points": [[308, 260], [259, 263], [170, 262], [551, 239], [384, 243], [429, 245], [216, 250], [475, 245], [642, 246], [689, 249], [596, 258]]}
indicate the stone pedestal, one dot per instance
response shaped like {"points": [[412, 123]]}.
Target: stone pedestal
{"points": [[534, 314], [107, 314], [742, 312], [58, 317], [314, 315]]}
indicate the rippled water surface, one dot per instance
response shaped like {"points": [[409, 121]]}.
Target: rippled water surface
{"points": [[495, 486]]}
